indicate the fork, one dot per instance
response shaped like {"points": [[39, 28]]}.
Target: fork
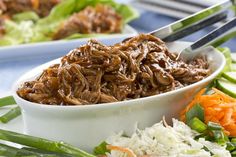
{"points": [[198, 21], [195, 22], [214, 38]]}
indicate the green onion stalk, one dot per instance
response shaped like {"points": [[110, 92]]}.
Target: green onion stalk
{"points": [[13, 113], [43, 144]]}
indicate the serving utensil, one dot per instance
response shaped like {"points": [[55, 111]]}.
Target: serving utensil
{"points": [[214, 38], [195, 22], [198, 21]]}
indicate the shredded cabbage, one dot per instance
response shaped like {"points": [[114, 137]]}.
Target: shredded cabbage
{"points": [[161, 140]]}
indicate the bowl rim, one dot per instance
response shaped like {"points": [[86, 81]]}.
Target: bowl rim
{"points": [[130, 102]]}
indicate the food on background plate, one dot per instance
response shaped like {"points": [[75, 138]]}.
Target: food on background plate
{"points": [[41, 7], [98, 19], [32, 21], [95, 73]]}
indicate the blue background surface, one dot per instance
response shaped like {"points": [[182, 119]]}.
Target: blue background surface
{"points": [[11, 70]]}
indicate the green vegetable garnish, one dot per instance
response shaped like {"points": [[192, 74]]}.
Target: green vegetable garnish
{"points": [[43, 144], [214, 126], [195, 111], [26, 16], [13, 113], [216, 132], [101, 149], [10, 151], [5, 101], [233, 139], [197, 125], [230, 146]]}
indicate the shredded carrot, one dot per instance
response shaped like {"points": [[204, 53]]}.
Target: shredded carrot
{"points": [[219, 108], [35, 4], [128, 151]]}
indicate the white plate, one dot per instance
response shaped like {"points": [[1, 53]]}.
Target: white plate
{"points": [[14, 125], [59, 47]]}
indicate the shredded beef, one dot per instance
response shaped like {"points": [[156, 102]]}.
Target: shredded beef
{"points": [[98, 19], [95, 73]]}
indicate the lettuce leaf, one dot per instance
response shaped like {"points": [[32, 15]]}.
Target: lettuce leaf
{"points": [[17, 33], [68, 7], [25, 16]]}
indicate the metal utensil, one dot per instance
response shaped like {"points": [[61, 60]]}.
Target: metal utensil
{"points": [[214, 38], [193, 23]]}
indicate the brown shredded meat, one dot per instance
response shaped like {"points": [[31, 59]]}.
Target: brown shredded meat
{"points": [[2, 28], [95, 73], [99, 19], [41, 7]]}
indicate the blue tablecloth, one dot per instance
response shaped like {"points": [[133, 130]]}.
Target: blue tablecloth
{"points": [[11, 70]]}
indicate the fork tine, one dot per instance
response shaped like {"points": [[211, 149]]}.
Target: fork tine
{"points": [[214, 38]]}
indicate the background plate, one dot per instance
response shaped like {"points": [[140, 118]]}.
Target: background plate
{"points": [[56, 47]]}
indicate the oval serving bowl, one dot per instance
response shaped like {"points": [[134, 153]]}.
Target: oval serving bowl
{"points": [[86, 126]]}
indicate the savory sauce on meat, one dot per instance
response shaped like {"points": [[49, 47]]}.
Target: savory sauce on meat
{"points": [[95, 73], [98, 19]]}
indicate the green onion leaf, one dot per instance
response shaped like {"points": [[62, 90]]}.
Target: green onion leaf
{"points": [[13, 113], [195, 111], [101, 149], [233, 153], [218, 133], [233, 140], [43, 144], [213, 126], [230, 146], [8, 100], [198, 125]]}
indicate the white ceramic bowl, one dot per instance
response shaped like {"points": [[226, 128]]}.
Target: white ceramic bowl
{"points": [[87, 126]]}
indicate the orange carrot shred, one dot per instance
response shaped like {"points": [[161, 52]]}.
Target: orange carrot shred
{"points": [[128, 151], [218, 107]]}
